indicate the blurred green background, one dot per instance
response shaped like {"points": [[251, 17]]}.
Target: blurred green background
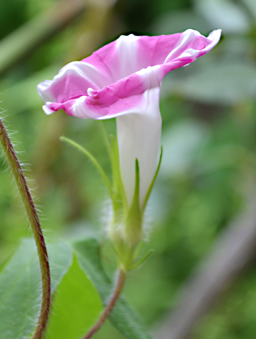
{"points": [[209, 140]]}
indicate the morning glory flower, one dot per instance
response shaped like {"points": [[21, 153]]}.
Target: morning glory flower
{"points": [[122, 80]]}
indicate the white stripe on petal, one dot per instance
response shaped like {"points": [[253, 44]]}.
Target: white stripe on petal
{"points": [[47, 109], [127, 52], [42, 89], [187, 36], [85, 70]]}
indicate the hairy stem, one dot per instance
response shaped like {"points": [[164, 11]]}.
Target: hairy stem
{"points": [[36, 228], [117, 291]]}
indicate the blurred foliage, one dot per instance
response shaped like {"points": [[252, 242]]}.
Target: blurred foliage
{"points": [[209, 139], [17, 11]]}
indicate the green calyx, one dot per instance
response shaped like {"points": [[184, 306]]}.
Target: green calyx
{"points": [[126, 225], [131, 231], [134, 218]]}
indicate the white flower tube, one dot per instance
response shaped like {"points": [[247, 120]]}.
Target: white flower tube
{"points": [[139, 137]]}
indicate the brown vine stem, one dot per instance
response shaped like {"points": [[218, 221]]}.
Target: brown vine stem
{"points": [[117, 291], [36, 229]]}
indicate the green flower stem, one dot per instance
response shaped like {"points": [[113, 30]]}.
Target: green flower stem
{"points": [[115, 296], [36, 229]]}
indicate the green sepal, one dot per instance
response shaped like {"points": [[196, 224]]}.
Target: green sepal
{"points": [[138, 249], [119, 195], [133, 222], [106, 139], [93, 160], [118, 187], [130, 235], [142, 260], [153, 181]]}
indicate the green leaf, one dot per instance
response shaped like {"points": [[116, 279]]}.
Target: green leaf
{"points": [[20, 287], [122, 316], [76, 306], [60, 256]]}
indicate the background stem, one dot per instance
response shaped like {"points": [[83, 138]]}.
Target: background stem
{"points": [[36, 229], [117, 291]]}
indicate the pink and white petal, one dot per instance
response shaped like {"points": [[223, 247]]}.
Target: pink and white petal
{"points": [[129, 54], [73, 107], [122, 97], [119, 98], [193, 45], [162, 49], [71, 82], [116, 66], [67, 106], [104, 67], [154, 50], [118, 59], [106, 61]]}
